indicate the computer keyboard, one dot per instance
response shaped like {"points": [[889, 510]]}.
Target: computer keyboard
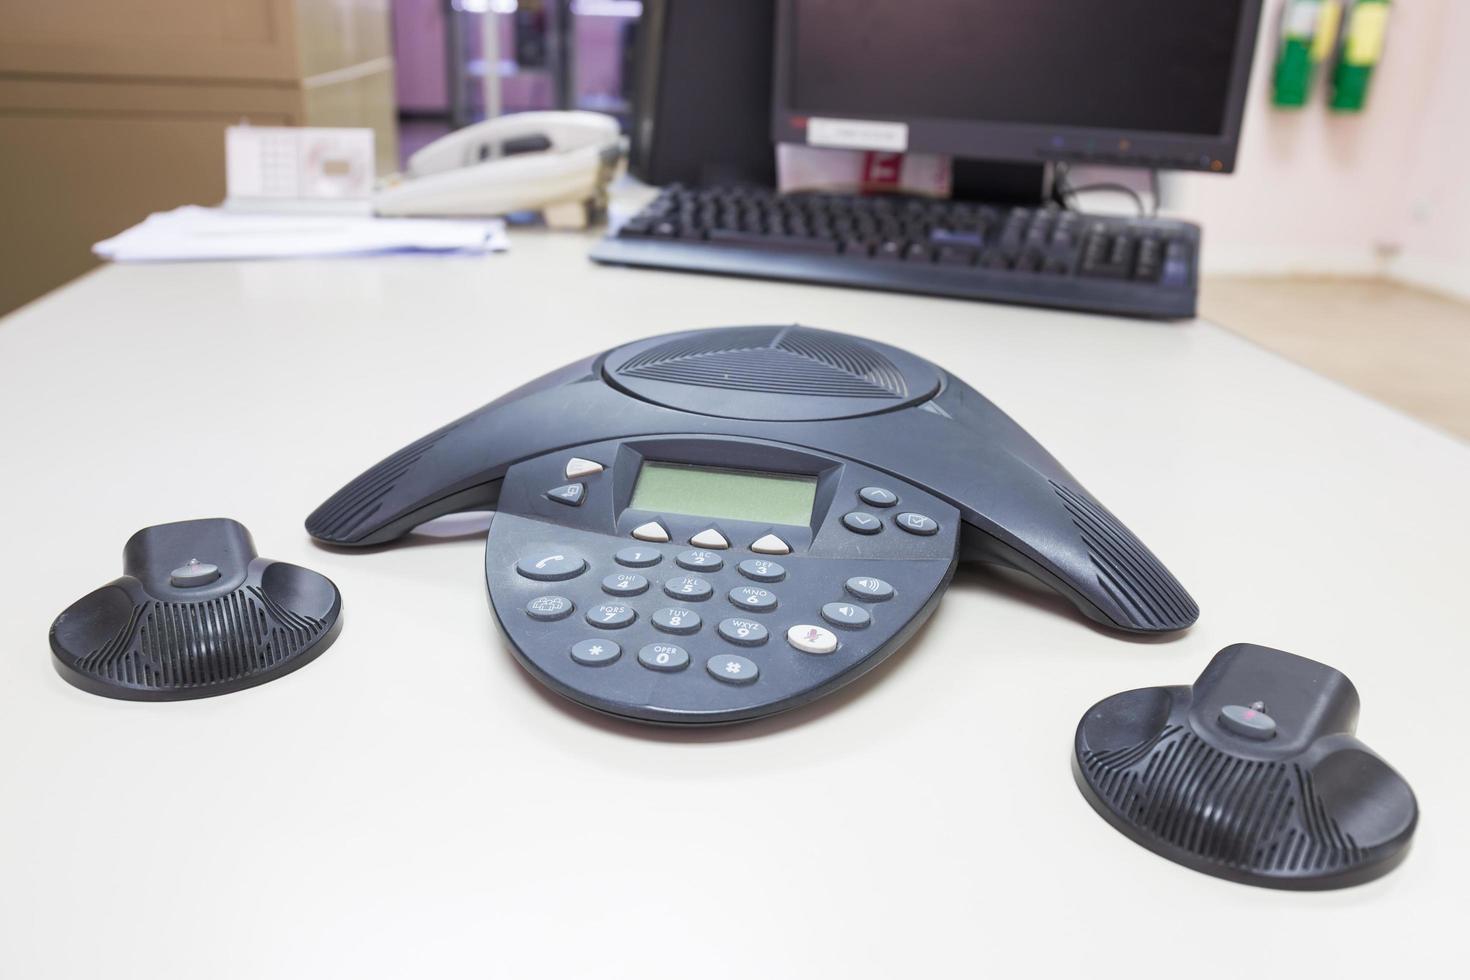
{"points": [[1043, 256]]}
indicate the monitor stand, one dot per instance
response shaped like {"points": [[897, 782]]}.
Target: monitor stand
{"points": [[995, 182]]}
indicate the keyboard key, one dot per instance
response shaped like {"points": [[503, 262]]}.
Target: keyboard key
{"points": [[782, 243]]}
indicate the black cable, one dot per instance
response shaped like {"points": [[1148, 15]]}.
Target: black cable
{"points": [[1064, 190]]}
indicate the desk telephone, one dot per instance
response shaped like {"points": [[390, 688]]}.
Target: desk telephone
{"points": [[716, 525], [558, 163]]}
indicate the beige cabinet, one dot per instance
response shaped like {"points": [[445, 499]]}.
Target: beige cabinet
{"points": [[112, 109]]}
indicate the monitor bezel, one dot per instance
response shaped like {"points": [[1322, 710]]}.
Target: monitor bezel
{"points": [[1026, 143]]}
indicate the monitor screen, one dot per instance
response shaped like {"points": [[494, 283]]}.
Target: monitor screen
{"points": [[738, 495], [1062, 75]]}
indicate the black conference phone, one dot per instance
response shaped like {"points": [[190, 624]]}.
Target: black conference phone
{"points": [[716, 525]]}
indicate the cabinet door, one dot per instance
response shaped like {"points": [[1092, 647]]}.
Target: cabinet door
{"points": [[208, 39]]}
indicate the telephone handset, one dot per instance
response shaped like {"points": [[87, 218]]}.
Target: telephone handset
{"points": [[555, 162], [715, 525]]}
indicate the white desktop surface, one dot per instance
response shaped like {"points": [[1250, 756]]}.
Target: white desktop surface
{"points": [[413, 804]]}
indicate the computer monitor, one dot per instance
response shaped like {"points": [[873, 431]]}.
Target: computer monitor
{"points": [[1152, 83]]}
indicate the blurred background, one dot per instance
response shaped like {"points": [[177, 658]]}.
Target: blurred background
{"points": [[1343, 239]]}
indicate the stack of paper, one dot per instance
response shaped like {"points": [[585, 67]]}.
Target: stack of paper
{"points": [[195, 233]]}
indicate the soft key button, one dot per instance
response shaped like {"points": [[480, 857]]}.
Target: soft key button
{"points": [[769, 544], [652, 531], [709, 538], [571, 494], [577, 467]]}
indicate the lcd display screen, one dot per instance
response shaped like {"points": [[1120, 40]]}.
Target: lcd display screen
{"points": [[1148, 66], [737, 495]]}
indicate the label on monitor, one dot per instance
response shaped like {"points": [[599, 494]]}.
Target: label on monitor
{"points": [[857, 134]]}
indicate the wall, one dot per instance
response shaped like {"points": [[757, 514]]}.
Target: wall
{"points": [[1322, 193], [1434, 232]]}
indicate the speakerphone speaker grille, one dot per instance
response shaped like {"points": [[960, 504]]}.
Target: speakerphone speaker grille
{"points": [[778, 360], [1126, 570], [173, 645], [1254, 815], [349, 508]]}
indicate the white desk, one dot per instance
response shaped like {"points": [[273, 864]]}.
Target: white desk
{"points": [[412, 804]]}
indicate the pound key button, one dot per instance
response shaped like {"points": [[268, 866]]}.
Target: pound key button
{"points": [[862, 523], [549, 608], [551, 568], [762, 570], [917, 523], [732, 669]]}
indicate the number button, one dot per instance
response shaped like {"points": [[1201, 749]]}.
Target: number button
{"points": [[683, 621], [595, 653], [869, 589], [877, 496], [744, 632], [551, 568], [846, 615], [862, 523], [762, 570], [730, 669], [611, 616], [549, 608], [636, 557], [917, 524], [690, 587], [665, 657], [754, 599], [699, 560], [625, 583]]}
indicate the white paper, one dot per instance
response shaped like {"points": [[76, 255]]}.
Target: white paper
{"points": [[857, 134], [195, 233], [279, 164]]}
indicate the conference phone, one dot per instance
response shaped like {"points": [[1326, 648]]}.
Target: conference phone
{"points": [[715, 525]]}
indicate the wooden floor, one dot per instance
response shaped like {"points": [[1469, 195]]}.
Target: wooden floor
{"points": [[1406, 347]]}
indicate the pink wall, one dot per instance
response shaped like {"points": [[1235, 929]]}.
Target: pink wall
{"points": [[418, 55]]}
